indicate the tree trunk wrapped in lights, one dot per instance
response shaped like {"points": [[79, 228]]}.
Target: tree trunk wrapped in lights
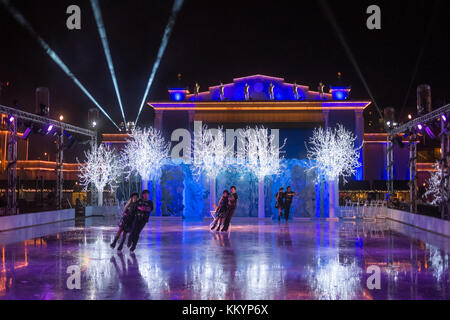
{"points": [[333, 155], [145, 153], [102, 168], [434, 188], [262, 158], [211, 156]]}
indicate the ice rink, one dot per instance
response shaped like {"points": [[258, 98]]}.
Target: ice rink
{"points": [[175, 259]]}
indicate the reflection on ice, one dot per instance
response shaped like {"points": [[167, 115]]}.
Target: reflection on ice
{"points": [[438, 261], [334, 280], [257, 260]]}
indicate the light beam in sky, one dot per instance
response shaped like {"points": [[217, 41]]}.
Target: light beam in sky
{"points": [[24, 23], [165, 40], [104, 38], [329, 14]]}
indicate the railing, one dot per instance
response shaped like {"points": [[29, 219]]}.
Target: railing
{"points": [[366, 210]]}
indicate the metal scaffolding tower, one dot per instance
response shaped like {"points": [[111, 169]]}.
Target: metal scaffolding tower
{"points": [[390, 166], [411, 128], [11, 190], [94, 194], [15, 116], [445, 170], [60, 169], [413, 173]]}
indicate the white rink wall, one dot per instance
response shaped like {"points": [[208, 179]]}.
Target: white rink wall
{"points": [[35, 219], [431, 224], [43, 218], [103, 211]]}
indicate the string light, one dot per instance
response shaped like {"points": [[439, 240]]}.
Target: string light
{"points": [[262, 154], [433, 186], [210, 152], [333, 154], [145, 153], [102, 168]]}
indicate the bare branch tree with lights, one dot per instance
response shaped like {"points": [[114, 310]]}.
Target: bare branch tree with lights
{"points": [[333, 154], [102, 168], [145, 153], [211, 156], [434, 187], [263, 158]]}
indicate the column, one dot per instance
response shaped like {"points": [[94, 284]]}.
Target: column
{"points": [[325, 114], [359, 130], [156, 183], [158, 123], [191, 114]]}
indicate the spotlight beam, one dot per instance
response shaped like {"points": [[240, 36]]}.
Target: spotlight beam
{"points": [[167, 32], [24, 23], [102, 33], [348, 51]]}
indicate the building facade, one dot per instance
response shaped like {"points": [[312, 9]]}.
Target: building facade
{"points": [[290, 111]]}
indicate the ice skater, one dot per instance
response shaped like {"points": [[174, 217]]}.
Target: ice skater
{"points": [[221, 211], [144, 207], [126, 222], [288, 202], [279, 204], [231, 208]]}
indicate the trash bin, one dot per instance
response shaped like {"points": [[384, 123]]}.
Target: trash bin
{"points": [[80, 210]]}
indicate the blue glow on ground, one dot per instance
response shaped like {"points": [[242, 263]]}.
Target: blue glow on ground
{"points": [[165, 40], [24, 23], [104, 38]]}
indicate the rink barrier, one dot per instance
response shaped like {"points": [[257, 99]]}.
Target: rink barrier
{"points": [[42, 218], [102, 211], [35, 219], [430, 224]]}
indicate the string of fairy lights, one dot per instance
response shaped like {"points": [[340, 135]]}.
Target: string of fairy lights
{"points": [[17, 15]]}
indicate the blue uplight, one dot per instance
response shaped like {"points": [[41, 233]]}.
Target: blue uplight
{"points": [[177, 94], [340, 93]]}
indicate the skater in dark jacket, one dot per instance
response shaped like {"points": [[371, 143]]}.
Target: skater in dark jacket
{"points": [[232, 204], [221, 211], [288, 202], [143, 209], [279, 204], [126, 222]]}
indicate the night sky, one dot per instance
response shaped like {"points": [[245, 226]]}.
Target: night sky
{"points": [[215, 41]]}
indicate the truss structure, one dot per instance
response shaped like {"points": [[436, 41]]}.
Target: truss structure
{"points": [[19, 115], [411, 128]]}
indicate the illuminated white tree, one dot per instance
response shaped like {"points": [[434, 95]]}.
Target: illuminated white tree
{"points": [[211, 156], [102, 168], [262, 158], [145, 153], [333, 155], [433, 187]]}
